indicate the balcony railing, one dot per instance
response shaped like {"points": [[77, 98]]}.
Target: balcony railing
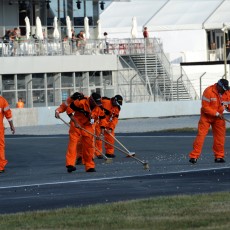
{"points": [[51, 47]]}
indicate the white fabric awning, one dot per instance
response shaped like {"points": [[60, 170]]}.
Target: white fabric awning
{"points": [[219, 17], [183, 15], [118, 16], [165, 15]]}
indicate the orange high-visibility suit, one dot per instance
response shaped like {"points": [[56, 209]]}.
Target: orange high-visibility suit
{"points": [[111, 113], [61, 109], [85, 118], [4, 112], [20, 104], [212, 104]]}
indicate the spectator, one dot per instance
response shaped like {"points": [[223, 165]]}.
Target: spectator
{"points": [[146, 36], [145, 32], [81, 41], [106, 51], [14, 38], [73, 40], [6, 37]]}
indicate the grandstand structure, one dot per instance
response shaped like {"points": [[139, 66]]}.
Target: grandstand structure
{"points": [[187, 50]]}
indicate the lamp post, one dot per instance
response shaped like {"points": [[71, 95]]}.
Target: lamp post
{"points": [[225, 31]]}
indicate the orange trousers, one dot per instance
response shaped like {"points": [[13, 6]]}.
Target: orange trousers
{"points": [[3, 160], [107, 137], [218, 130], [87, 140]]}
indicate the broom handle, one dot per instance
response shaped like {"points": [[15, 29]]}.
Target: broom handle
{"points": [[121, 150], [118, 141]]}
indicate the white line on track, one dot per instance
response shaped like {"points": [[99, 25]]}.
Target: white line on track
{"points": [[57, 137], [109, 178]]}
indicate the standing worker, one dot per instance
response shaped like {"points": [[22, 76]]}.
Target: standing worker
{"points": [[213, 106], [61, 109], [111, 109], [20, 103], [4, 112], [86, 111]]}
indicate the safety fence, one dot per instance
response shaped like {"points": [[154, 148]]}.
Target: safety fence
{"points": [[52, 47]]}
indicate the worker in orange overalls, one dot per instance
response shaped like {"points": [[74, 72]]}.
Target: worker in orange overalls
{"points": [[111, 109], [61, 109], [20, 104], [213, 105], [4, 112], [86, 111]]}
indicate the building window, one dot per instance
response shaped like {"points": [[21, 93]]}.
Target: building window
{"points": [[66, 80], [21, 81], [10, 97], [38, 81], [38, 98], [8, 82]]}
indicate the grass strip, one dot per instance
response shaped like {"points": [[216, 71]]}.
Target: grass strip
{"points": [[203, 211]]}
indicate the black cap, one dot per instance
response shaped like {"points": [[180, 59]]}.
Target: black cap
{"points": [[223, 83], [118, 99], [77, 95], [97, 98]]}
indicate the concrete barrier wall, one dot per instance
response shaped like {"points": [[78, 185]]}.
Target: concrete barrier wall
{"points": [[45, 115]]}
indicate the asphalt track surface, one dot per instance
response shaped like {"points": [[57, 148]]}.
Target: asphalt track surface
{"points": [[36, 177]]}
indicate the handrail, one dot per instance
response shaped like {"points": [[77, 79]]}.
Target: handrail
{"points": [[53, 47]]}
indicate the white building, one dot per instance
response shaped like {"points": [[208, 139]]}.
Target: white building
{"points": [[190, 30], [45, 73]]}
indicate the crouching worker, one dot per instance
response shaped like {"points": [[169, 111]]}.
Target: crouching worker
{"points": [[111, 109], [83, 114], [61, 109]]}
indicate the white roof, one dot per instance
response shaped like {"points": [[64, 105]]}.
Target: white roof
{"points": [[118, 16], [186, 14], [219, 17], [160, 15]]}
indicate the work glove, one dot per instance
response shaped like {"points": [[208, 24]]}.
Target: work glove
{"points": [[102, 131], [76, 125], [221, 116], [57, 114], [109, 130]]}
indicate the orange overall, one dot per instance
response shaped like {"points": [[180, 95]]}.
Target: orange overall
{"points": [[212, 104], [111, 114], [4, 112], [61, 109], [20, 105], [85, 118]]}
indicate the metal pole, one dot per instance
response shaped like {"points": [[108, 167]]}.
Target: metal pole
{"points": [[84, 8], [146, 71], [54, 88], [225, 58], [27, 92], [201, 84], [58, 3], [177, 83], [131, 88]]}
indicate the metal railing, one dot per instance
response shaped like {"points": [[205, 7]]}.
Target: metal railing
{"points": [[52, 47]]}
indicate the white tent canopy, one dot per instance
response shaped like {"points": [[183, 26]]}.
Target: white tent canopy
{"points": [[220, 17], [165, 15], [117, 18], [183, 15]]}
